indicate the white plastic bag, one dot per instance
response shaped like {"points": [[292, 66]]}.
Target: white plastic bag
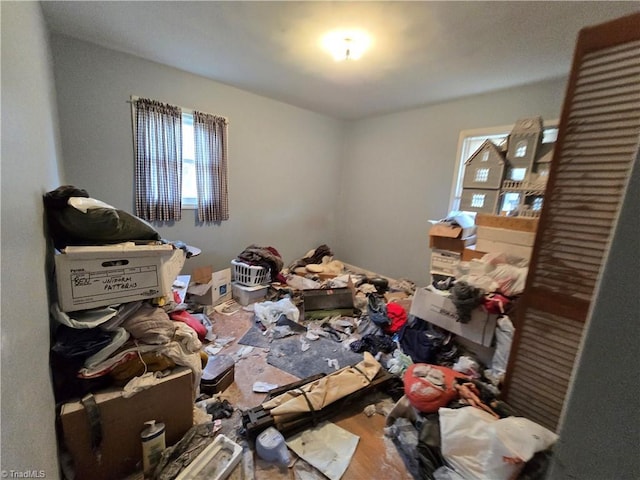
{"points": [[478, 446], [269, 312]]}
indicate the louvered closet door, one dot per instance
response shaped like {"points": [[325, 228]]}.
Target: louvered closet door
{"points": [[597, 144]]}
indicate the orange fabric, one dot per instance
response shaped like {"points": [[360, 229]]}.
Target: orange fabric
{"points": [[429, 387]]}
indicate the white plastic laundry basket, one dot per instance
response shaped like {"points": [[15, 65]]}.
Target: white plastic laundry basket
{"points": [[249, 275]]}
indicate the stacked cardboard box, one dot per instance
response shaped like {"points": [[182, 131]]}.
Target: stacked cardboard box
{"points": [[511, 235], [447, 240]]}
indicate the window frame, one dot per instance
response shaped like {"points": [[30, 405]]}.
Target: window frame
{"points": [[463, 152]]}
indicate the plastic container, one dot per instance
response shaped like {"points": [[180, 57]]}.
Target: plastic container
{"points": [[215, 462], [249, 275], [270, 446], [246, 295], [153, 444]]}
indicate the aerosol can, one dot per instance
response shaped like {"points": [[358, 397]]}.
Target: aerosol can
{"points": [[152, 446]]}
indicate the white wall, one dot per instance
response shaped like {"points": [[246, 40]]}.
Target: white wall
{"points": [[399, 170], [599, 434], [283, 161], [30, 168]]}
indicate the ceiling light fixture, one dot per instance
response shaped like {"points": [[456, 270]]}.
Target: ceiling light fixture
{"points": [[346, 45]]}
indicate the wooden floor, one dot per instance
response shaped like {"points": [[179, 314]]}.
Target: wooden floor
{"points": [[376, 456]]}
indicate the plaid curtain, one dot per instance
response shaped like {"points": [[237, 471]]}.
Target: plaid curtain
{"points": [[210, 132], [158, 168]]}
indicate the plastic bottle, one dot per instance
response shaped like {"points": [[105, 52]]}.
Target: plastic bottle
{"points": [[153, 444], [270, 446]]}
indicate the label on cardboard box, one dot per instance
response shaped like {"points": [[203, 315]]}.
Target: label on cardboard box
{"points": [[444, 262], [89, 277]]}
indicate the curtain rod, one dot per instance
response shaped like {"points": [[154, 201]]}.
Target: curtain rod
{"points": [[184, 109]]}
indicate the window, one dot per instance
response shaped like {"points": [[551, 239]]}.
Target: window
{"points": [[470, 140], [189, 186], [537, 204], [477, 201], [510, 202], [521, 149], [485, 156], [482, 175], [518, 174], [180, 162]]}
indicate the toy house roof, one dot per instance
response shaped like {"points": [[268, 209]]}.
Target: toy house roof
{"points": [[527, 125], [487, 143]]}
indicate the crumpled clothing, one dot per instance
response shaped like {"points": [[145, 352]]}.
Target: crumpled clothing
{"points": [[126, 352], [377, 310], [139, 364], [397, 316], [219, 410], [466, 297], [151, 325], [266, 257], [83, 318], [314, 256], [80, 343], [373, 344], [138, 384], [119, 338], [124, 311]]}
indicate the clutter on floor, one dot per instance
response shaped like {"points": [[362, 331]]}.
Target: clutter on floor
{"points": [[188, 376]]}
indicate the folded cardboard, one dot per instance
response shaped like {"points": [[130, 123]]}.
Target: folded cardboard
{"points": [[491, 246], [215, 292], [517, 237], [451, 244], [96, 276], [120, 422], [522, 224], [455, 226], [444, 262], [439, 310], [472, 253]]}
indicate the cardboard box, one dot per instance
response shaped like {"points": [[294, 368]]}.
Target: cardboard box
{"points": [[96, 276], [444, 262], [517, 237], [490, 246], [439, 310], [451, 244], [465, 227], [522, 224], [121, 422], [215, 292], [472, 253]]}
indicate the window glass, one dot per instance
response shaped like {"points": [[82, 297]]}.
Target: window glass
{"points": [[521, 149], [482, 175], [518, 174], [189, 188], [477, 201]]}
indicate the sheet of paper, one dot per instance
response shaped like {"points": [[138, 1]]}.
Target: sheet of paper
{"points": [[327, 447]]}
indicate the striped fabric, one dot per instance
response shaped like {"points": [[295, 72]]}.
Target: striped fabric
{"points": [[158, 167], [210, 132]]}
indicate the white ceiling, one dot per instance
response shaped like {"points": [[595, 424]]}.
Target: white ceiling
{"points": [[422, 52]]}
